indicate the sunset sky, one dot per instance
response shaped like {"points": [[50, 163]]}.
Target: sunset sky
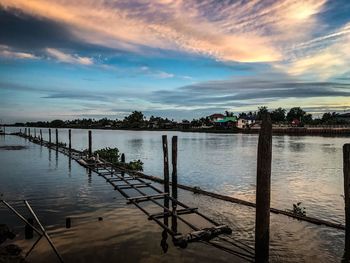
{"points": [[180, 59]]}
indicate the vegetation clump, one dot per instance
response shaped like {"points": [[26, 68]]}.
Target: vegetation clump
{"points": [[298, 209], [112, 155]]}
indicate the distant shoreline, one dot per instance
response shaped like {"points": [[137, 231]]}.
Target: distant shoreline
{"points": [[330, 131]]}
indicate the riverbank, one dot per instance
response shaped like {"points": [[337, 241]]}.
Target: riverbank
{"points": [[323, 131]]}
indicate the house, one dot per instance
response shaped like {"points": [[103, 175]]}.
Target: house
{"points": [[295, 123], [226, 122], [345, 117], [245, 122], [216, 117]]}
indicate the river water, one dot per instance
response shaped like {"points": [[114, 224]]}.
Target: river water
{"points": [[305, 169]]}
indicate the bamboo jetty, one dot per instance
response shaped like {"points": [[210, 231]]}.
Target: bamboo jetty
{"points": [[113, 174]]}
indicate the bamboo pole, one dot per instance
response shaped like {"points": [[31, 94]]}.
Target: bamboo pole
{"points": [[346, 170], [90, 143], [263, 191], [44, 231]]}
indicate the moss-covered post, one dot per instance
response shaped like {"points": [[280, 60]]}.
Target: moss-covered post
{"points": [[346, 170], [263, 191]]}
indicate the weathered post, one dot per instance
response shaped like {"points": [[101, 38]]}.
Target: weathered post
{"points": [[49, 136], [70, 139], [28, 230], [20, 131], [346, 170], [90, 144], [34, 132], [28, 132], [122, 158], [166, 164], [41, 135], [174, 181], [68, 222], [263, 191], [56, 137], [25, 131]]}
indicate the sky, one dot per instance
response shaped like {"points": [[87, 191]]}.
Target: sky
{"points": [[67, 59]]}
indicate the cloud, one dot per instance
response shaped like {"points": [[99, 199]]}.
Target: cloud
{"points": [[68, 58], [248, 91], [7, 52], [245, 31], [155, 73]]}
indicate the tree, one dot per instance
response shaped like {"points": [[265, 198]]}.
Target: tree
{"points": [[134, 120], [57, 123], [228, 114], [278, 115], [261, 111], [295, 113]]}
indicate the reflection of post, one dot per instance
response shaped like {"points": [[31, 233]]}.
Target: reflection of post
{"points": [[346, 170], [70, 139], [49, 136], [174, 182], [90, 144], [122, 159], [263, 188]]}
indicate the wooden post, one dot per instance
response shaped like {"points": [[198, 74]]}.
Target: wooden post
{"points": [[90, 144], [34, 132], [174, 181], [25, 131], [49, 136], [28, 230], [70, 139], [56, 137], [122, 158], [263, 191], [174, 164], [346, 170], [29, 132], [166, 163], [68, 222], [20, 131], [41, 135]]}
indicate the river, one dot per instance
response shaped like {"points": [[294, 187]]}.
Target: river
{"points": [[305, 169]]}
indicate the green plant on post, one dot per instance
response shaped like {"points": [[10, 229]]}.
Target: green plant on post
{"points": [[298, 209]]}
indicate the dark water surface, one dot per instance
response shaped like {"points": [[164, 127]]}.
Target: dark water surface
{"points": [[306, 169]]}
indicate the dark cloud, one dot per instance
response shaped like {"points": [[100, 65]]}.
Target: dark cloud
{"points": [[24, 32], [248, 92]]}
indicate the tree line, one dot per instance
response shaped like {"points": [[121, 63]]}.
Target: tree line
{"points": [[137, 120]]}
